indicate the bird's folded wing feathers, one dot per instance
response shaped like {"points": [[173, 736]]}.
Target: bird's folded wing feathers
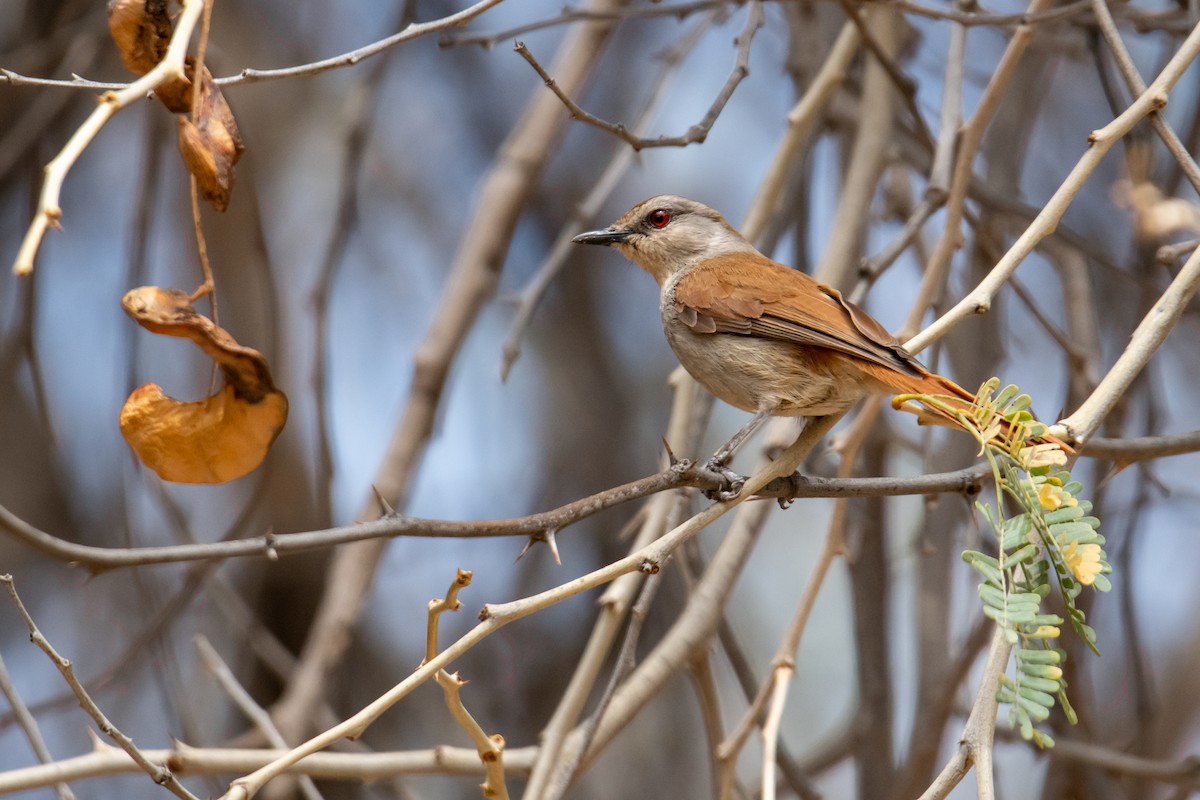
{"points": [[777, 302]]}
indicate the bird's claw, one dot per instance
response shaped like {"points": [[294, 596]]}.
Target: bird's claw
{"points": [[732, 483]]}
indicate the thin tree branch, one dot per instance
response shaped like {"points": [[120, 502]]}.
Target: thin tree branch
{"points": [[695, 134], [1133, 79], [622, 159], [975, 745], [158, 772], [682, 475], [170, 68], [30, 728], [1144, 342], [503, 195], [979, 300], [245, 703], [649, 560], [106, 760], [413, 30]]}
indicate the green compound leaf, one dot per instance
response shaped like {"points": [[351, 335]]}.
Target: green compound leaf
{"points": [[1048, 543]]}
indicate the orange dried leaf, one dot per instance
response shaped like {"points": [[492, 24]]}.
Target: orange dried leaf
{"points": [[205, 441], [213, 440], [142, 31], [211, 144]]}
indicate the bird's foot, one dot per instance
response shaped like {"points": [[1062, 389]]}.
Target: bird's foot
{"points": [[732, 482]]}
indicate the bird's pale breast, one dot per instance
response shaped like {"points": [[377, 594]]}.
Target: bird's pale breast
{"points": [[754, 373]]}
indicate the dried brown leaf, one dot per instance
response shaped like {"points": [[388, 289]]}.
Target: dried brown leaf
{"points": [[211, 144], [213, 440], [142, 31]]}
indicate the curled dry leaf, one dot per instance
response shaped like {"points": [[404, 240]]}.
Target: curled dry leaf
{"points": [[213, 440], [142, 31], [211, 145], [210, 142]]}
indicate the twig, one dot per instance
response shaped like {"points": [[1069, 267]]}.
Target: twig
{"points": [[656, 518], [941, 166], [1080, 320], [708, 698], [700, 618], [1168, 254], [245, 703], [1142, 448], [76, 82], [503, 194], [158, 772], [564, 245], [412, 31], [29, 727], [979, 300], [979, 18], [208, 285], [797, 775], [1133, 79], [570, 14], [695, 134], [493, 617], [1150, 333], [783, 664], [626, 660], [770, 729], [883, 51], [184, 760], [170, 68], [1184, 772], [975, 745], [683, 475], [800, 122], [490, 748], [971, 137]]}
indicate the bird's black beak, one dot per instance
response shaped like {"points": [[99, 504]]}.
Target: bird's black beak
{"points": [[607, 236]]}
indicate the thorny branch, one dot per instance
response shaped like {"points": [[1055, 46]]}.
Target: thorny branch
{"points": [[684, 474], [158, 772], [696, 133]]}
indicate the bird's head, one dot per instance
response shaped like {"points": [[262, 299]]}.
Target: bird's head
{"points": [[666, 234]]}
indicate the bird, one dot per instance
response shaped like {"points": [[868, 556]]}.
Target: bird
{"points": [[757, 334]]}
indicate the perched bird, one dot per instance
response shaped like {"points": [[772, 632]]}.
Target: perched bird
{"points": [[759, 335]]}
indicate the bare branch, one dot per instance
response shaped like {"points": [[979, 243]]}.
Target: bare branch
{"points": [[695, 134], [412, 31], [571, 14], [30, 728], [1108, 28], [979, 300], [1143, 344], [684, 474], [170, 68], [493, 617], [158, 772], [253, 711], [975, 745], [184, 760]]}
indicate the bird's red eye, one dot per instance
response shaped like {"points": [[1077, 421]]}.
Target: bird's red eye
{"points": [[659, 218]]}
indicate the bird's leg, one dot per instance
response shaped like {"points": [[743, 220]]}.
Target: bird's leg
{"points": [[720, 461]]}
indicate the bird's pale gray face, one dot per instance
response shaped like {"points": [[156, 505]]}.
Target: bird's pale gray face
{"points": [[666, 234]]}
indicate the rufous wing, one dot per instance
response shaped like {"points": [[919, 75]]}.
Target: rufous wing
{"points": [[754, 296]]}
